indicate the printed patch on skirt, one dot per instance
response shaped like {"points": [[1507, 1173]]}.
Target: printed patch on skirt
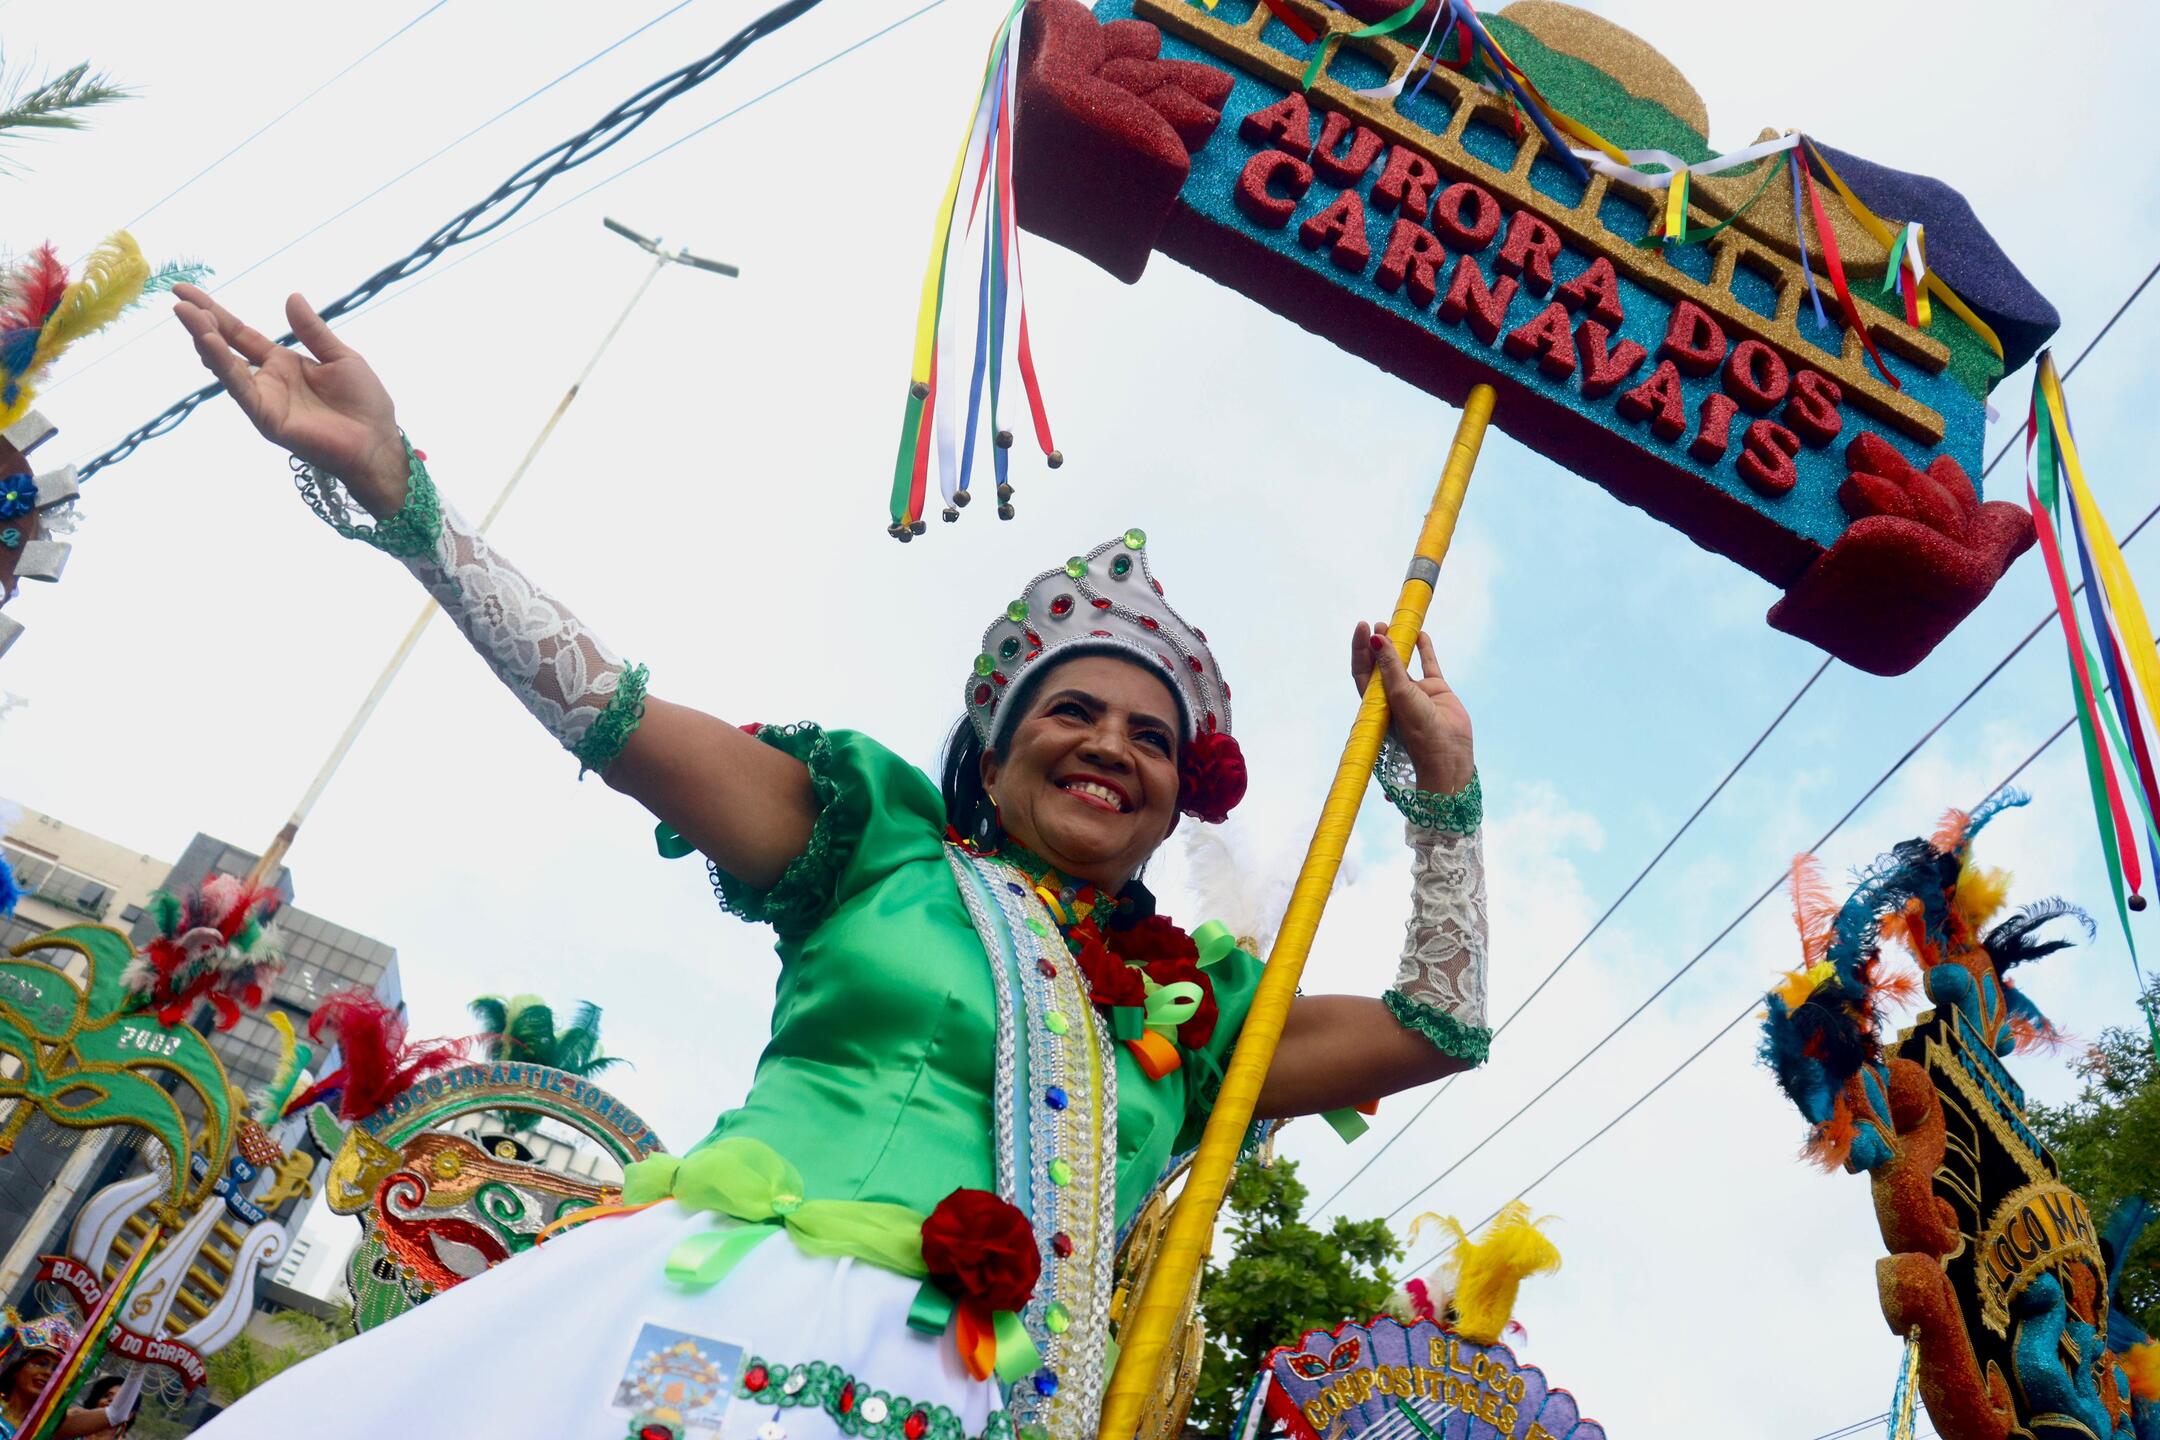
{"points": [[677, 1386]]}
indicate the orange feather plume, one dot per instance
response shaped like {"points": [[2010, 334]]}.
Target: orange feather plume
{"points": [[1814, 910]]}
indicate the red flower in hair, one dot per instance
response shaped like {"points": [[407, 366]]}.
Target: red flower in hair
{"points": [[1211, 777], [981, 1250]]}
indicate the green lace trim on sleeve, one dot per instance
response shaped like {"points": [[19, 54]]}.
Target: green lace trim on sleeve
{"points": [[1458, 814], [1450, 1036], [612, 728], [414, 531], [799, 899]]}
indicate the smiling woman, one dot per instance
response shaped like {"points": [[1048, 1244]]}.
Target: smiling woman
{"points": [[987, 1046]]}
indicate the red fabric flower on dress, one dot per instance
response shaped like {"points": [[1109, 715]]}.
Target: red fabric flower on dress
{"points": [[1111, 982], [1211, 777], [1155, 938], [981, 1250], [1197, 1031]]}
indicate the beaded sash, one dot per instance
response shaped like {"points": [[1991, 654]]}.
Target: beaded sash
{"points": [[1055, 1108]]}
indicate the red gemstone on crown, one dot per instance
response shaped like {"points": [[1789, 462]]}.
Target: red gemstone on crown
{"points": [[982, 694], [1034, 639], [999, 677], [1149, 621], [1194, 661], [1099, 603], [1062, 605], [1100, 635], [917, 1426]]}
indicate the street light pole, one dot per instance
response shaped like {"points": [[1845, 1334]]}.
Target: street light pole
{"points": [[662, 258]]}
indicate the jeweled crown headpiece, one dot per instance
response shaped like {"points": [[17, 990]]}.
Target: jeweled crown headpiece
{"points": [[1107, 602], [49, 1333]]}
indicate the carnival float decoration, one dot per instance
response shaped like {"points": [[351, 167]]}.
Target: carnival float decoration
{"points": [[1436, 1367], [1528, 200], [91, 1056], [43, 311], [440, 1201], [1998, 1276]]}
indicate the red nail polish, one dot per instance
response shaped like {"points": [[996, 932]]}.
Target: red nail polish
{"points": [[1378, 640]]}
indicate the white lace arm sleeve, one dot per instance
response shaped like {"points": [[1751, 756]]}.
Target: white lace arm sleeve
{"points": [[1440, 988], [573, 684]]}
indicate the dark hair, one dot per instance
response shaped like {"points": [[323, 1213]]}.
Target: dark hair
{"points": [[101, 1391], [968, 808]]}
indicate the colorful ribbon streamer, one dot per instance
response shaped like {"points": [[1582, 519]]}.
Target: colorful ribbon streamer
{"points": [[2116, 737], [1828, 237], [1335, 38], [930, 440]]}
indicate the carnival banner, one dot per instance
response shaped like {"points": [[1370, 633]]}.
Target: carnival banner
{"points": [[1394, 1381], [1658, 330]]}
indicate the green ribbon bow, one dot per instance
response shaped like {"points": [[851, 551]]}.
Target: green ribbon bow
{"points": [[1017, 1358], [747, 1180], [1169, 1006]]}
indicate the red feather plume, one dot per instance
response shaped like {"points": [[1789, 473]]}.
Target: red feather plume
{"points": [[381, 1060], [34, 291]]}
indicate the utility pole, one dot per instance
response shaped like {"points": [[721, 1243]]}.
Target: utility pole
{"points": [[662, 258]]}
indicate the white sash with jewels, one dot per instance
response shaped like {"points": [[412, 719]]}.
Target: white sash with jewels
{"points": [[1055, 1107]]}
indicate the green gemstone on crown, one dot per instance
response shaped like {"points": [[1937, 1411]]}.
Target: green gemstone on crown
{"points": [[1010, 648], [1135, 538], [1017, 612], [1121, 567], [1076, 567], [984, 665]]}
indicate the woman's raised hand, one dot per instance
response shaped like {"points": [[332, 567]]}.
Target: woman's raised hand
{"points": [[330, 411], [1425, 715]]}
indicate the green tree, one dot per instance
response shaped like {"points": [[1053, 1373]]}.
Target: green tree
{"points": [[2107, 1142], [245, 1362], [1284, 1278], [522, 1028]]}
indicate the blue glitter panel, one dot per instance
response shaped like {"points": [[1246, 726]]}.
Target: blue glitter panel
{"points": [[1809, 512]]}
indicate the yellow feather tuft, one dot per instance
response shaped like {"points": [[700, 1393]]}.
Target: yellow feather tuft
{"points": [[112, 280], [1798, 985], [1489, 1271], [1981, 892], [2142, 1363]]}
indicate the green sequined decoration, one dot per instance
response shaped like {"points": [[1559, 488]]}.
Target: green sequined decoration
{"points": [[1457, 814], [414, 531], [856, 1408], [612, 728], [1450, 1036]]}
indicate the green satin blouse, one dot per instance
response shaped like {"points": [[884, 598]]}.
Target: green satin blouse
{"points": [[877, 1081]]}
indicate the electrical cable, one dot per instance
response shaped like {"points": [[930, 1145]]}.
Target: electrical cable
{"points": [[1596, 925], [143, 332], [505, 201], [2098, 336], [567, 201], [1754, 1004], [273, 121]]}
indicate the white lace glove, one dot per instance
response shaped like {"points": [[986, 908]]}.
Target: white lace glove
{"points": [[574, 685], [1440, 987]]}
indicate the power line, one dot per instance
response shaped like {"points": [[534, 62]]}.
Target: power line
{"points": [[407, 173], [506, 200], [273, 121], [1754, 1001], [567, 201], [2090, 345], [1595, 926]]}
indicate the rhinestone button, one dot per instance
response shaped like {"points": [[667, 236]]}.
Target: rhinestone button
{"points": [[1055, 1022], [1056, 1098], [874, 1410], [1058, 1318], [984, 665], [1017, 612], [1076, 567], [1060, 1173], [794, 1383], [1135, 538]]}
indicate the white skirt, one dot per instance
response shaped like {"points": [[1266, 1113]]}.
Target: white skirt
{"points": [[577, 1337]]}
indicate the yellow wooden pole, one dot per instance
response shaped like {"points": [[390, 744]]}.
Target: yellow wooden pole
{"points": [[1148, 1326]]}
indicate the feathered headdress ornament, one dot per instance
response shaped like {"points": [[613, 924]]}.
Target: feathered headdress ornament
{"points": [[210, 945], [52, 1334], [1473, 1292], [42, 312], [382, 1061], [1825, 1021]]}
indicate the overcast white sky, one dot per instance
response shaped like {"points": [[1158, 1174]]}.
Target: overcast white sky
{"points": [[714, 505]]}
